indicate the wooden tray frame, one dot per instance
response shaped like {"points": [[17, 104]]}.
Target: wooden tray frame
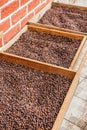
{"points": [[58, 33], [69, 5], [62, 33], [51, 69], [64, 29]]}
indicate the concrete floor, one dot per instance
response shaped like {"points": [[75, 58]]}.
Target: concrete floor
{"points": [[76, 116]]}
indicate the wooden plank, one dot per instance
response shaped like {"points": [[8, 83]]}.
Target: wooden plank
{"points": [[68, 98], [58, 28], [78, 53], [68, 5], [37, 65], [54, 32]]}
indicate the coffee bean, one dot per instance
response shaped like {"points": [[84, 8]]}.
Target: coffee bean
{"points": [[28, 101]]}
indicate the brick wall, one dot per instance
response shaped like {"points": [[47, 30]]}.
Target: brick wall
{"points": [[14, 14]]}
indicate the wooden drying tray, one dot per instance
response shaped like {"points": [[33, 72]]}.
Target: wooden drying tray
{"points": [[53, 32], [51, 69], [63, 29], [57, 32], [70, 6]]}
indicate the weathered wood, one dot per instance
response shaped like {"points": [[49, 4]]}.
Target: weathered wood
{"points": [[68, 5], [54, 31], [37, 65], [78, 53], [68, 98], [58, 28]]}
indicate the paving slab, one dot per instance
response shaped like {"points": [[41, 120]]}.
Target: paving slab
{"points": [[78, 62], [66, 125], [84, 72], [81, 90], [77, 112]]}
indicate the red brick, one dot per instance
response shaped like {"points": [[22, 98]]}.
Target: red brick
{"points": [[17, 16], [26, 19], [47, 1], [7, 10], [40, 8], [22, 2], [9, 35], [33, 4], [0, 42], [5, 25], [2, 2]]}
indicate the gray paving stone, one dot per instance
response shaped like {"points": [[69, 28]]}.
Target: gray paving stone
{"points": [[77, 112], [66, 125], [84, 72], [81, 90]]}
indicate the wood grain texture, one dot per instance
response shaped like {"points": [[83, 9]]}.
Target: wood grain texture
{"points": [[37, 65], [58, 28], [53, 31]]}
